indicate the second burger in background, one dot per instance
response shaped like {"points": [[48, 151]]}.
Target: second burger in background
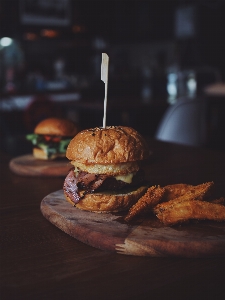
{"points": [[107, 174], [51, 138]]}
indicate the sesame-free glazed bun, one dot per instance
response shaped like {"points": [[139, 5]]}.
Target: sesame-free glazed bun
{"points": [[109, 202], [110, 145], [56, 126]]}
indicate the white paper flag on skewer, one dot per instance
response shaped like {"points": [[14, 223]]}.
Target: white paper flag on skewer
{"points": [[104, 78]]}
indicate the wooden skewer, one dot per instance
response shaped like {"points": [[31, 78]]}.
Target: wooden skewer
{"points": [[104, 78]]}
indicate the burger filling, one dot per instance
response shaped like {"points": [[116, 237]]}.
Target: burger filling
{"points": [[78, 182], [50, 144]]}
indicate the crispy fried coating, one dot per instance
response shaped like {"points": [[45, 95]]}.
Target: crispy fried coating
{"points": [[176, 190], [178, 203], [221, 201], [188, 210], [152, 197], [198, 192]]}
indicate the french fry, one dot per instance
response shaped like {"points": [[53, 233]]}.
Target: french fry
{"points": [[152, 197], [176, 190], [178, 203], [198, 192], [221, 201], [188, 210]]}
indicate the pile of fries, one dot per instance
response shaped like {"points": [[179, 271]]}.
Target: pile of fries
{"points": [[178, 203]]}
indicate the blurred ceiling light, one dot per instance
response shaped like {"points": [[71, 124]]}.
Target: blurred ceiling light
{"points": [[5, 41], [78, 28], [30, 36], [49, 33]]}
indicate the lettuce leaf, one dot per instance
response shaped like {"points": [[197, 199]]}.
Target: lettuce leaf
{"points": [[33, 138], [50, 147]]}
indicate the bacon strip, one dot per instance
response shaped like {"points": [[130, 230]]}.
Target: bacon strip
{"points": [[75, 187], [70, 187]]}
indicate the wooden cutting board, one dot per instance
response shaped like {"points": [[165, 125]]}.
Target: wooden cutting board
{"points": [[28, 165], [147, 237]]}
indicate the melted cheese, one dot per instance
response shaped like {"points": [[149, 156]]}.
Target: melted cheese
{"points": [[126, 178], [76, 171]]}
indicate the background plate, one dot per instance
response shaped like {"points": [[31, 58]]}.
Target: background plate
{"points": [[28, 165]]}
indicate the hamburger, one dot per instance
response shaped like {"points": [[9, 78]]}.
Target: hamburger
{"points": [[51, 138], [107, 175]]}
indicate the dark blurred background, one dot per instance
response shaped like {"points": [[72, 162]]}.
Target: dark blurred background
{"points": [[159, 51]]}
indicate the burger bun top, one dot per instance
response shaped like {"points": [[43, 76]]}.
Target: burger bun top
{"points": [[110, 145], [56, 126]]}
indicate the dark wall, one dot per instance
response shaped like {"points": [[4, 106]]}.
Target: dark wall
{"points": [[120, 22]]}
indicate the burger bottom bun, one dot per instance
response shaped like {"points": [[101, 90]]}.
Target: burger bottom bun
{"points": [[41, 154], [109, 201]]}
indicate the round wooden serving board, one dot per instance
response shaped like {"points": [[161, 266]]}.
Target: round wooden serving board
{"points": [[147, 237], [28, 165]]}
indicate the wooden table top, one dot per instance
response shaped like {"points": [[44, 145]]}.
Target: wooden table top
{"points": [[39, 261]]}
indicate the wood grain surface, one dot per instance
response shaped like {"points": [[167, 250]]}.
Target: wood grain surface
{"points": [[147, 237], [28, 165]]}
